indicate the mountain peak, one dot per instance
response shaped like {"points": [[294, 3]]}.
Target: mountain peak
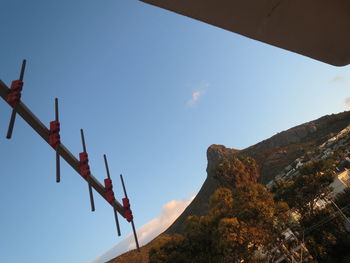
{"points": [[266, 159]]}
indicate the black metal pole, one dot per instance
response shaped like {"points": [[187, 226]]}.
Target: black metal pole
{"points": [[117, 221], [83, 140], [58, 168], [132, 221], [114, 211], [124, 189], [13, 114], [90, 188], [107, 168], [135, 236], [91, 198], [23, 68]]}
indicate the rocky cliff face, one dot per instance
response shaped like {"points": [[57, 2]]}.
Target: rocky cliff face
{"points": [[271, 156]]}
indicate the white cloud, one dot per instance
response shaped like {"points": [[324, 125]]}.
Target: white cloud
{"points": [[148, 231], [338, 80], [195, 97], [347, 101], [199, 91]]}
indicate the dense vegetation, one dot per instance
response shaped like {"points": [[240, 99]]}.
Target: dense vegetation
{"points": [[303, 191], [240, 222], [245, 222], [323, 228], [233, 171]]}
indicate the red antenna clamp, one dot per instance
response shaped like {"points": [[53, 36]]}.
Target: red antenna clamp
{"points": [[128, 213], [109, 190], [14, 94], [84, 164], [55, 137]]}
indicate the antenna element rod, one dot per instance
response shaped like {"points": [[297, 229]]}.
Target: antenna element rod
{"points": [[124, 189], [58, 168], [135, 236], [83, 140], [106, 164], [56, 109], [90, 188], [91, 198], [115, 212], [132, 221], [23, 68], [13, 114], [117, 221]]}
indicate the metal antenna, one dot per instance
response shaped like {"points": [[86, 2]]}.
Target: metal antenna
{"points": [[58, 169], [124, 189], [115, 212], [90, 188], [83, 140], [107, 169], [51, 136], [91, 198], [132, 221], [117, 221], [13, 115]]}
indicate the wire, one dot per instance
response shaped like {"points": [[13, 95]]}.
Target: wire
{"points": [[325, 220]]}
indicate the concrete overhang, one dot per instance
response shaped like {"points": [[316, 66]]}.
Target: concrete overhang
{"points": [[319, 29]]}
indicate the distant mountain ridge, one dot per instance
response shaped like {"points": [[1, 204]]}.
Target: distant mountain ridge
{"points": [[279, 150], [271, 155]]}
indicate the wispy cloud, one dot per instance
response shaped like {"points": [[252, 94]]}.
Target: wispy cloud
{"points": [[148, 231], [195, 97], [347, 101], [199, 91], [338, 80]]}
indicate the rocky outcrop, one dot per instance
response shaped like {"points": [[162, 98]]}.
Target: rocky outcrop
{"points": [[271, 156], [215, 154], [275, 153]]}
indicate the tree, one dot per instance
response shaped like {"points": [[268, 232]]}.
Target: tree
{"points": [[170, 251], [235, 170], [343, 201], [251, 220], [325, 235], [302, 192], [240, 221]]}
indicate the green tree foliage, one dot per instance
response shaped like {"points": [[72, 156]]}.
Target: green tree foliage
{"points": [[326, 236], [343, 201], [240, 221], [251, 220], [171, 251], [302, 192], [235, 170]]}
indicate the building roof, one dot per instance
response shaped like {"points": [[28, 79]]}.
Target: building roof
{"points": [[318, 29]]}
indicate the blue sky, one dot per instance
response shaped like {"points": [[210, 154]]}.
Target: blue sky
{"points": [[152, 90]]}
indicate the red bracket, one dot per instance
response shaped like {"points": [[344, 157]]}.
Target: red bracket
{"points": [[55, 137], [109, 190], [126, 203], [108, 184], [110, 196], [14, 94], [84, 164], [128, 213]]}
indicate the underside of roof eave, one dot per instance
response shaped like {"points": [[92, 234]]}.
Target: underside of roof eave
{"points": [[318, 29]]}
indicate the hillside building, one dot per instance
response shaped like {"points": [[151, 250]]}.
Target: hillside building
{"points": [[341, 182]]}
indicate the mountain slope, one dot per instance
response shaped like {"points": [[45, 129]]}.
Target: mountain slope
{"points": [[271, 155]]}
